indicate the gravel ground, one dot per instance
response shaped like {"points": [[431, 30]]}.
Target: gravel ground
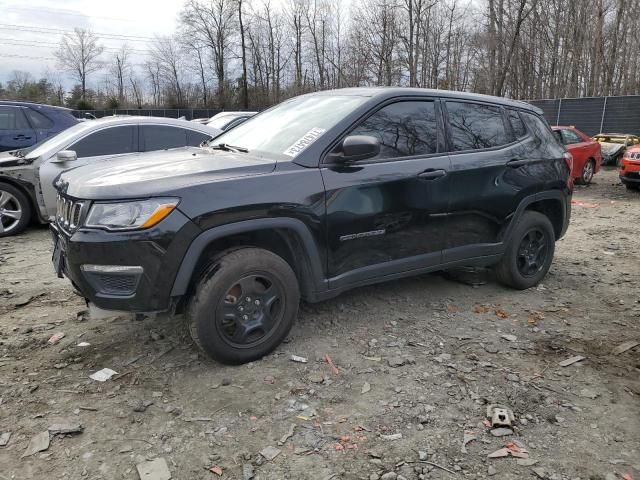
{"points": [[417, 361]]}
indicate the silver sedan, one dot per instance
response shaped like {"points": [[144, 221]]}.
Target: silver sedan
{"points": [[26, 175]]}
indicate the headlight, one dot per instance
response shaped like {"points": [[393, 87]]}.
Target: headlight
{"points": [[130, 215]]}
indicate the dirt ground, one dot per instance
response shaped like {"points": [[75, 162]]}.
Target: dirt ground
{"points": [[417, 361]]}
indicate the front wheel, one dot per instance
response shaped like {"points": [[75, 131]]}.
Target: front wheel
{"points": [[631, 186], [244, 305], [15, 210], [529, 253]]}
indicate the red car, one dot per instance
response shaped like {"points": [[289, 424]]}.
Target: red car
{"points": [[630, 168], [587, 156]]}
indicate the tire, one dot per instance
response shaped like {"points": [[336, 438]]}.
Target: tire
{"points": [[233, 316], [15, 210], [587, 172], [631, 186], [516, 269]]}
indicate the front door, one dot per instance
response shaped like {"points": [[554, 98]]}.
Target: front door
{"points": [[385, 215]]}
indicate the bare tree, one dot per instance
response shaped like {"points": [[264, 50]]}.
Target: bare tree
{"points": [[79, 54], [120, 69]]}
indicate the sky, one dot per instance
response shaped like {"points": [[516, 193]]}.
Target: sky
{"points": [[30, 31]]}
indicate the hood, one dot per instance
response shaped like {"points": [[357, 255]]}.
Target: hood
{"points": [[158, 173], [609, 149]]}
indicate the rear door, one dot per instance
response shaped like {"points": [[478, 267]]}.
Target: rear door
{"points": [[95, 146], [15, 131], [386, 214], [493, 167], [40, 123]]}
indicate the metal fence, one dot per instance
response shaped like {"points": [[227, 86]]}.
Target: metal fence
{"points": [[593, 115], [188, 113]]}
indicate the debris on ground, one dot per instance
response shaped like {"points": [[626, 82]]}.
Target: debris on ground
{"points": [[83, 344], [571, 360], [366, 388], [509, 338], [623, 347], [103, 375], [270, 452], [393, 436], [299, 359], [468, 436], [38, 443], [55, 338], [4, 439], [155, 469], [65, 428], [501, 432], [287, 435], [217, 470], [334, 369], [500, 415], [248, 472], [511, 449]]}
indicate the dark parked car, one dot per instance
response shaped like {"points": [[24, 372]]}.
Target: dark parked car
{"points": [[320, 194], [22, 124]]}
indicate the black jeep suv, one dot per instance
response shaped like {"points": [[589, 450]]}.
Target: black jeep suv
{"points": [[317, 195]]}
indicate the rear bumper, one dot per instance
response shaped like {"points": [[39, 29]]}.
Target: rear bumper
{"points": [[125, 271]]}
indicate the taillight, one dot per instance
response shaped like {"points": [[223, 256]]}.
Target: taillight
{"points": [[569, 159]]}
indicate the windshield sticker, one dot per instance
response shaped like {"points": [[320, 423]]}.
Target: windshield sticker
{"points": [[308, 138]]}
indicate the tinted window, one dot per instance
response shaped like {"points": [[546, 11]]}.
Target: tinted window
{"points": [[161, 137], [516, 123], [403, 129], [12, 118], [540, 130], [475, 126], [111, 141], [569, 137], [37, 119], [196, 138]]}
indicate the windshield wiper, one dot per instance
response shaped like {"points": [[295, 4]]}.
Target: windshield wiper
{"points": [[18, 153], [229, 148]]}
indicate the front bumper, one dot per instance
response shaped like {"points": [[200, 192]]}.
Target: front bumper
{"points": [[127, 271], [630, 172]]}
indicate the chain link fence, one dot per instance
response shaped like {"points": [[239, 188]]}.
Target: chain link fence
{"points": [[594, 115]]}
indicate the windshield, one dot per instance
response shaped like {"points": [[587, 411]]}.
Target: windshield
{"points": [[278, 129], [54, 142]]}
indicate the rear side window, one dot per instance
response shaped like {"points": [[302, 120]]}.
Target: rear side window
{"points": [[161, 137], [12, 118], [404, 129], [110, 141], [37, 119], [476, 126], [194, 138], [516, 124], [538, 127]]}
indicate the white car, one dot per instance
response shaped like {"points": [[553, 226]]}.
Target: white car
{"points": [[227, 120], [26, 175]]}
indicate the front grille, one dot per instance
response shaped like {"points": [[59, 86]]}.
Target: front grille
{"points": [[69, 213]]}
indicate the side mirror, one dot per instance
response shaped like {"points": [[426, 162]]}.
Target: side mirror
{"points": [[64, 156], [359, 147]]}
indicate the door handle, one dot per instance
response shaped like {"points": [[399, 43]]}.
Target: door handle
{"points": [[21, 137], [517, 163], [432, 174]]}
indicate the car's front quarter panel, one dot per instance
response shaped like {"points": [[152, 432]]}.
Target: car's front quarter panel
{"points": [[158, 250]]}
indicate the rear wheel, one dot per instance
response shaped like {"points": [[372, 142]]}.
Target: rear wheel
{"points": [[529, 253], [244, 305], [587, 173], [15, 210], [631, 186]]}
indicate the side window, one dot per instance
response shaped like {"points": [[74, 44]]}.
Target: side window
{"points": [[110, 141], [194, 138], [539, 129], [404, 129], [569, 137], [161, 137], [37, 119], [476, 126], [516, 123], [12, 118]]}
